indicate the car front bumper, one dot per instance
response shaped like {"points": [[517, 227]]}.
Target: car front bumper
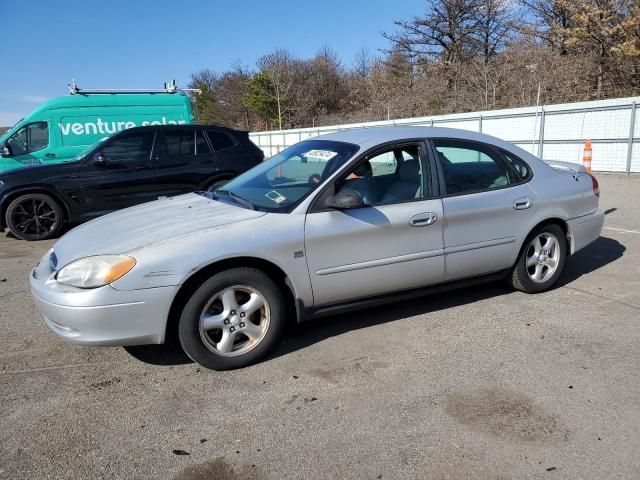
{"points": [[101, 316]]}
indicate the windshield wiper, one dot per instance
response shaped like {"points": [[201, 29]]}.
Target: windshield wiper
{"points": [[237, 198]]}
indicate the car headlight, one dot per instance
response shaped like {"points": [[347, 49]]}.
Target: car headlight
{"points": [[96, 271]]}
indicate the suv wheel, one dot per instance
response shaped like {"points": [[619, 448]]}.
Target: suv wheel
{"points": [[541, 261], [232, 320], [34, 216]]}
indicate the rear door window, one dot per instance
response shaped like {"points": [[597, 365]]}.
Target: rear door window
{"points": [[519, 165], [179, 143], [471, 166]]}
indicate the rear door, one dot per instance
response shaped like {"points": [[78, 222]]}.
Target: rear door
{"points": [[487, 207], [125, 178], [184, 161]]}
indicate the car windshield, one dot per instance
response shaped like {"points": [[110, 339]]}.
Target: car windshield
{"points": [[87, 150], [279, 183]]}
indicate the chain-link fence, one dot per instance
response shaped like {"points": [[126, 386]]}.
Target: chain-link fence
{"points": [[552, 132]]}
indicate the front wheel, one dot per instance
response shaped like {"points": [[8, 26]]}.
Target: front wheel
{"points": [[232, 320], [541, 261], [34, 216]]}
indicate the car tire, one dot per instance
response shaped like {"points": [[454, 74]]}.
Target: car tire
{"points": [[34, 216], [541, 260], [233, 319]]}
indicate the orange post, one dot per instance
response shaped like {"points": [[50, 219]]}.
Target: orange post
{"points": [[587, 155]]}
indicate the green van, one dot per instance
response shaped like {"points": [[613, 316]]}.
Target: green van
{"points": [[62, 127]]}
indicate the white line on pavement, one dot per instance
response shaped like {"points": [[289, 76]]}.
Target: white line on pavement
{"points": [[622, 230]]}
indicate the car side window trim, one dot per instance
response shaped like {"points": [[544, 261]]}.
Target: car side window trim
{"points": [[505, 153], [426, 160], [205, 137], [501, 160]]}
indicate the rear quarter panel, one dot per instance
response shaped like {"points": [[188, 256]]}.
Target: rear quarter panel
{"points": [[559, 196]]}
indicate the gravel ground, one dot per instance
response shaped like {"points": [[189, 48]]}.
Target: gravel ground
{"points": [[482, 383]]}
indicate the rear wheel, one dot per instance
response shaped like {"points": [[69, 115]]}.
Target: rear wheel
{"points": [[541, 261], [34, 216], [232, 320]]}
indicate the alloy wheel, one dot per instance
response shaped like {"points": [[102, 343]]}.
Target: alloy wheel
{"points": [[34, 217], [234, 321], [543, 257]]}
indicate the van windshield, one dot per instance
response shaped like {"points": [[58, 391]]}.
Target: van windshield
{"points": [[280, 183]]}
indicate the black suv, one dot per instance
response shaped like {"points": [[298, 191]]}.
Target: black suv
{"points": [[131, 167]]}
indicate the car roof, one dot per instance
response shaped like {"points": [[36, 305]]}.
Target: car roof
{"points": [[185, 126], [376, 135]]}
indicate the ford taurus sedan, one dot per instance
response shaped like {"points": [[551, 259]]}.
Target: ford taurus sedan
{"points": [[345, 220]]}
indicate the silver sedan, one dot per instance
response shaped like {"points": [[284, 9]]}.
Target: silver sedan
{"points": [[337, 222]]}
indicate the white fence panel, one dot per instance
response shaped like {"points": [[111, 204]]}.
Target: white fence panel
{"points": [[553, 132]]}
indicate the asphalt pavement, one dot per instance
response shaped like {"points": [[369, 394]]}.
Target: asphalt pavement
{"points": [[482, 383]]}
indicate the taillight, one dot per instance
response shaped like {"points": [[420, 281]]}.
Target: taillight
{"points": [[595, 185]]}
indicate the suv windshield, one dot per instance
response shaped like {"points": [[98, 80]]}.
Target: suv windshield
{"points": [[279, 183]]}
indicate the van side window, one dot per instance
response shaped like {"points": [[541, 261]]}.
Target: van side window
{"points": [[30, 138], [220, 140]]}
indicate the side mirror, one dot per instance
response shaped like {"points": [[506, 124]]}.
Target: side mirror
{"points": [[345, 199], [5, 151], [100, 158]]}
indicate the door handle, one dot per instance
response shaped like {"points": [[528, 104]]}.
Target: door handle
{"points": [[50, 155], [423, 219], [522, 203]]}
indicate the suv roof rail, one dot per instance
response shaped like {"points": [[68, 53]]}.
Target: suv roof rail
{"points": [[169, 87]]}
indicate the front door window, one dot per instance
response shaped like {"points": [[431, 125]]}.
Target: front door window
{"points": [[30, 138]]}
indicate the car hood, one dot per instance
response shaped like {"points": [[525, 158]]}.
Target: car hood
{"points": [[152, 222]]}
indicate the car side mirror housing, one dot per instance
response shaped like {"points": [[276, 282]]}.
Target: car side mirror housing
{"points": [[99, 158], [5, 151], [345, 199]]}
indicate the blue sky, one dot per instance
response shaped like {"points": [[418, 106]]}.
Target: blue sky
{"points": [[140, 43]]}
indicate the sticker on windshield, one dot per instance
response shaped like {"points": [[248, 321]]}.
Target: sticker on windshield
{"points": [[275, 197], [325, 155]]}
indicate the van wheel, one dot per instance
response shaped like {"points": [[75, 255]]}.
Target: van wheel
{"points": [[233, 319], [541, 261], [34, 216]]}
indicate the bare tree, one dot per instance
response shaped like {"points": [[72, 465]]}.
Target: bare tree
{"points": [[278, 65]]}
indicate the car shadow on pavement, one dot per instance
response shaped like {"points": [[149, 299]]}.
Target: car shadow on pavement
{"points": [[600, 253], [594, 256], [169, 353]]}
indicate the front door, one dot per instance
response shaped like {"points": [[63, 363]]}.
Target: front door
{"points": [[30, 145], [391, 244], [124, 178]]}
